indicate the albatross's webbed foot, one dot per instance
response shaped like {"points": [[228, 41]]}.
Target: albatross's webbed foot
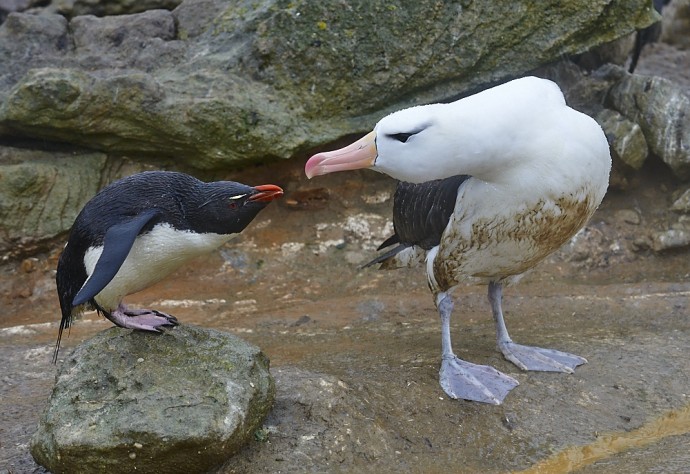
{"points": [[528, 357], [479, 383], [536, 358], [143, 319], [461, 379]]}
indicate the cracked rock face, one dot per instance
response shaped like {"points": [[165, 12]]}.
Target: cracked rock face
{"points": [[214, 83], [660, 108], [128, 401]]}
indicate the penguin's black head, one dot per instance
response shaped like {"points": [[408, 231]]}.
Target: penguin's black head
{"points": [[226, 207]]}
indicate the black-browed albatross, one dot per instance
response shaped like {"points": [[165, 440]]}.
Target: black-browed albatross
{"points": [[525, 173]]}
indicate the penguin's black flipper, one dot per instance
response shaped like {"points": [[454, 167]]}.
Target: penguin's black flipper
{"points": [[117, 243]]}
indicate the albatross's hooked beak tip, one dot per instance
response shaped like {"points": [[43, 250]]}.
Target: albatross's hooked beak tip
{"points": [[313, 166], [360, 154], [267, 193]]}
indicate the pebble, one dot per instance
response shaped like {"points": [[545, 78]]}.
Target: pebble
{"points": [[628, 216], [28, 265], [682, 204], [670, 239], [642, 243]]}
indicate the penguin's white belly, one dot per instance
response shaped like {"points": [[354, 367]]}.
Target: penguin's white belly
{"points": [[153, 256]]}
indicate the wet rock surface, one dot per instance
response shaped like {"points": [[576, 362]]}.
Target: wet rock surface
{"points": [[128, 401], [355, 353]]}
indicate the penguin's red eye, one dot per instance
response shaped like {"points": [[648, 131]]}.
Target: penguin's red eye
{"points": [[233, 205]]}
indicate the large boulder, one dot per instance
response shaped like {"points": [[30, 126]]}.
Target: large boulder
{"points": [[72, 8], [628, 146], [41, 193], [641, 115], [214, 82], [129, 401], [661, 109]]}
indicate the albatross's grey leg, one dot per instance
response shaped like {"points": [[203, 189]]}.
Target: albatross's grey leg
{"points": [[461, 379], [143, 319], [528, 357]]}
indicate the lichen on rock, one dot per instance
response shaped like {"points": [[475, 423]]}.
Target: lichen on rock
{"points": [[130, 401], [215, 83]]}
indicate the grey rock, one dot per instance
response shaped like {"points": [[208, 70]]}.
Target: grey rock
{"points": [[629, 216], [7, 6], [627, 142], [615, 52], [664, 60], [670, 239], [71, 8], [10, 6], [628, 146], [216, 83], [41, 193], [319, 423], [32, 40], [682, 203], [660, 108], [131, 37], [128, 401]]}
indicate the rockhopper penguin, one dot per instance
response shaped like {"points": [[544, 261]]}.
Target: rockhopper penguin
{"points": [[137, 231], [493, 184]]}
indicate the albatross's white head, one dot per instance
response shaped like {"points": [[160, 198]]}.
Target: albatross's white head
{"points": [[401, 145], [483, 135]]}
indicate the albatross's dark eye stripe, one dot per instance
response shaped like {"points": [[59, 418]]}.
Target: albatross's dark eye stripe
{"points": [[401, 137]]}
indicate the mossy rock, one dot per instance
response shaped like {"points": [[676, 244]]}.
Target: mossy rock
{"points": [[131, 401]]}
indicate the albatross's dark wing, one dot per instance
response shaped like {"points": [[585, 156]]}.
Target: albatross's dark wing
{"points": [[420, 214]]}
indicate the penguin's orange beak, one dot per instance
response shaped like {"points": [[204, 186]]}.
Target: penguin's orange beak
{"points": [[267, 193]]}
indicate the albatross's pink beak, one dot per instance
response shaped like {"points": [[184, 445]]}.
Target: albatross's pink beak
{"points": [[360, 154]]}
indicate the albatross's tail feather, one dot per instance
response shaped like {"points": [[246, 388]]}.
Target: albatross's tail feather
{"points": [[388, 255]]}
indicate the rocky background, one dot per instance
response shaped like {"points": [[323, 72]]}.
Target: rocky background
{"points": [[93, 90]]}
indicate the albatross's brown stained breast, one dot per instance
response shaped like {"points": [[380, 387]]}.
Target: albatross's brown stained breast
{"points": [[537, 231]]}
